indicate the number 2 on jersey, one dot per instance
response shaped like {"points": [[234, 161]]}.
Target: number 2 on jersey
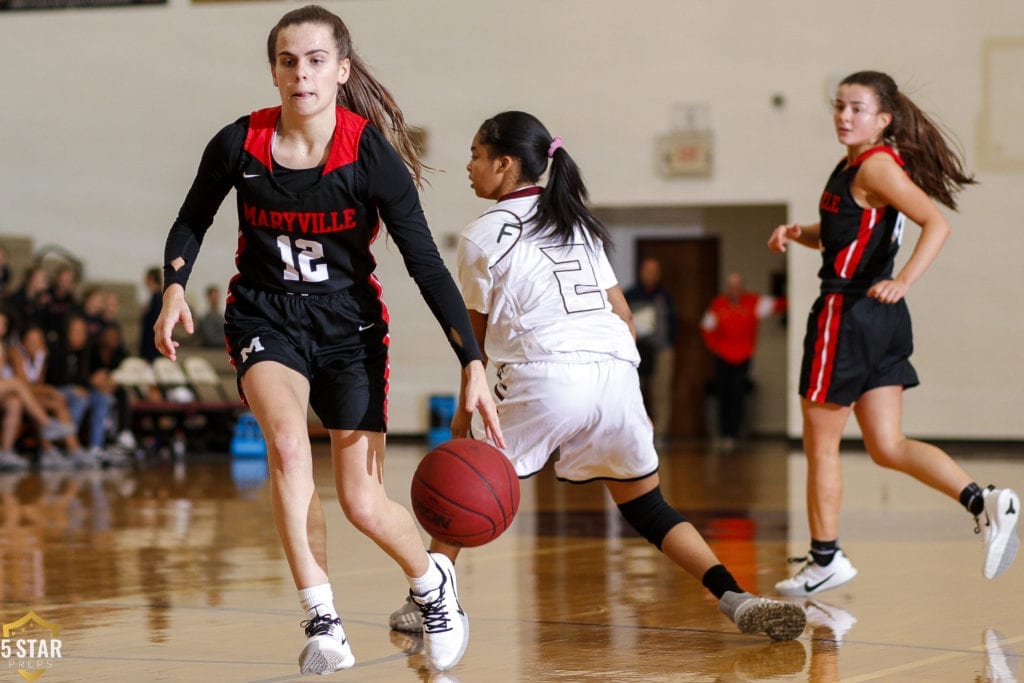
{"points": [[577, 280], [304, 254]]}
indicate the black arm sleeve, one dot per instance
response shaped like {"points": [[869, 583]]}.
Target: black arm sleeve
{"points": [[392, 190], [212, 183]]}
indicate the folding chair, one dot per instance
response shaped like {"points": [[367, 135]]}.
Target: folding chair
{"points": [[136, 376], [204, 379]]}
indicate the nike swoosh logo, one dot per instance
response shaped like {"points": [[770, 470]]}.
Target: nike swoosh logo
{"points": [[247, 176], [810, 588], [364, 328]]}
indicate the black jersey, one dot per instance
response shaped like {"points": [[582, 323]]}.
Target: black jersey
{"points": [[316, 239], [858, 245]]}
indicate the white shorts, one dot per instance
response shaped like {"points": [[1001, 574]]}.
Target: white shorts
{"points": [[592, 413]]}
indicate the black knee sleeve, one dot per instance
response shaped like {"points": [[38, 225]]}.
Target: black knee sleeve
{"points": [[651, 516]]}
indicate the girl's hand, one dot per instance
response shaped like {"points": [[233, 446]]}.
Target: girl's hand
{"points": [[173, 311], [783, 235], [477, 397], [888, 291]]}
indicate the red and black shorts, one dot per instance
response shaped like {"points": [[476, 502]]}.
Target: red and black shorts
{"points": [[854, 344], [338, 341]]}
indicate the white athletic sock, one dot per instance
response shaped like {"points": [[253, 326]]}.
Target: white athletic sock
{"points": [[421, 585], [318, 599]]}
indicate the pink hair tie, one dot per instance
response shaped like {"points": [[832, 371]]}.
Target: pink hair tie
{"points": [[555, 144]]}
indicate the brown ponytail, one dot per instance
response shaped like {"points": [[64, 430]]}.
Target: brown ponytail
{"points": [[366, 96], [362, 94], [932, 161]]}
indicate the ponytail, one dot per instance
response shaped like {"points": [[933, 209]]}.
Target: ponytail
{"points": [[362, 93], [366, 96], [931, 160], [562, 203]]}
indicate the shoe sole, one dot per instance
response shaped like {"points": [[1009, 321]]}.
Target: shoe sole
{"points": [[321, 658], [412, 625], [1002, 551], [777, 620], [406, 622]]}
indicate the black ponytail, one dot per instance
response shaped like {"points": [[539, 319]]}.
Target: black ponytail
{"points": [[562, 203]]}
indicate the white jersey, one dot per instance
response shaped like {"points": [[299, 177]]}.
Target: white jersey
{"points": [[544, 301]]}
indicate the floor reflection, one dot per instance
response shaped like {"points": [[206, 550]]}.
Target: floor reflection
{"points": [[173, 571], [154, 532]]}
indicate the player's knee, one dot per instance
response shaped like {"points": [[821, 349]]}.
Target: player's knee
{"points": [[363, 513], [886, 453], [651, 515], [290, 450]]}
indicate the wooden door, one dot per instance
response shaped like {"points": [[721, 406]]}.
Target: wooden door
{"points": [[689, 270]]}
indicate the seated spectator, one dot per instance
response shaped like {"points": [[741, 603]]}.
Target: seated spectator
{"points": [[86, 392], [27, 305], [94, 310], [17, 398], [211, 325], [107, 352], [28, 359]]}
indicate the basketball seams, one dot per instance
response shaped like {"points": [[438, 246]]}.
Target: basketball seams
{"points": [[481, 476], [465, 492], [426, 485]]}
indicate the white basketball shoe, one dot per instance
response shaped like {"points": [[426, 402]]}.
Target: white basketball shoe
{"points": [[445, 624], [1002, 508], [814, 578], [327, 649]]}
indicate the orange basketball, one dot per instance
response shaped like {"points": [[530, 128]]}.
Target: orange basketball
{"points": [[465, 492]]}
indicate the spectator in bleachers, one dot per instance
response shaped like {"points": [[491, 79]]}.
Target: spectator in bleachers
{"points": [[211, 325], [107, 352], [62, 304], [94, 310], [5, 275], [17, 399], [87, 392], [28, 358], [147, 340], [28, 304]]}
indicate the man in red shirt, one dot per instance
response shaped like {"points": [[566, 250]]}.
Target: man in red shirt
{"points": [[729, 328]]}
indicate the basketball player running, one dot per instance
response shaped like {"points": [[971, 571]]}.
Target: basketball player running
{"points": [[305, 323], [858, 341], [547, 308]]}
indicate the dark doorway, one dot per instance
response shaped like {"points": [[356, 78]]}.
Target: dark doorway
{"points": [[690, 272]]}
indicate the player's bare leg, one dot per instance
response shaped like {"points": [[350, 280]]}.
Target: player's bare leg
{"points": [[643, 506], [996, 511], [359, 477], [278, 397], [826, 566], [879, 413]]}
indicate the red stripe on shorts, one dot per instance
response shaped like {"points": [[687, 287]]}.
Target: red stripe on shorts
{"points": [[825, 348]]}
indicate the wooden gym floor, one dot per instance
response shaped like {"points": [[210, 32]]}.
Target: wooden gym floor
{"points": [[173, 572]]}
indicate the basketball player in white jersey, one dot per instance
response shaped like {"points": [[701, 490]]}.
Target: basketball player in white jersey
{"points": [[549, 313]]}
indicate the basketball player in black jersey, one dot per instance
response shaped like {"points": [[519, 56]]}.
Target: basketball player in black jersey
{"points": [[305, 322], [858, 342]]}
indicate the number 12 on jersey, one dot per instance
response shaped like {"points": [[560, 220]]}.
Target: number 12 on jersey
{"points": [[303, 259]]}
